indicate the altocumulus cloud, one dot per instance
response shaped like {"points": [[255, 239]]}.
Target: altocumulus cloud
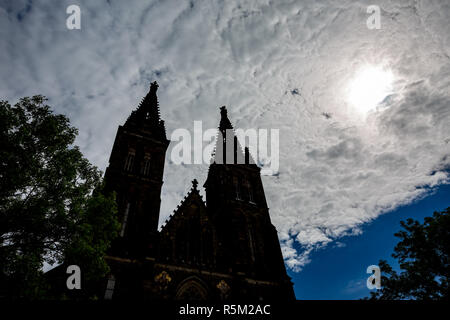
{"points": [[275, 64]]}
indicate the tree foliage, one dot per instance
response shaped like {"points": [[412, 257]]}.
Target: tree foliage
{"points": [[423, 257], [48, 210]]}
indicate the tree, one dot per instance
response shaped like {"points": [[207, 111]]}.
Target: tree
{"points": [[423, 256], [48, 210]]}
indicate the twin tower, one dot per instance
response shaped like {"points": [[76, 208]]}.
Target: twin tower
{"points": [[224, 249]]}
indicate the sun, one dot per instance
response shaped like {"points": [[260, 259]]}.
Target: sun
{"points": [[370, 86]]}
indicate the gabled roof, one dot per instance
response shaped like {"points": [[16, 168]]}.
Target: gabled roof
{"points": [[193, 197]]}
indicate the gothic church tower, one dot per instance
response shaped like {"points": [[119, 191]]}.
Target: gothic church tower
{"points": [[135, 173], [248, 241], [226, 248]]}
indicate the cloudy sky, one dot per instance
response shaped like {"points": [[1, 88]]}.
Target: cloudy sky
{"points": [[363, 113]]}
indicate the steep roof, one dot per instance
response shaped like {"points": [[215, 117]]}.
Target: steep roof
{"points": [[193, 197]]}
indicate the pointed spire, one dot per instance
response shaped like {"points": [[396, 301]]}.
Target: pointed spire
{"points": [[194, 184], [228, 150], [222, 145], [224, 121], [147, 114], [149, 106]]}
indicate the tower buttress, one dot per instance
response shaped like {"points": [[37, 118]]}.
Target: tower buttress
{"points": [[235, 197], [135, 173]]}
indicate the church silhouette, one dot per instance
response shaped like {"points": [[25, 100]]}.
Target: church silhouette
{"points": [[223, 249]]}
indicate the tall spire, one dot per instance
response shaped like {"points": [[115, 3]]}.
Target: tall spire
{"points": [[147, 115], [149, 106], [224, 121], [228, 150]]}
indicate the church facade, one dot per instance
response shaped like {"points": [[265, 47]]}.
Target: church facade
{"points": [[224, 248]]}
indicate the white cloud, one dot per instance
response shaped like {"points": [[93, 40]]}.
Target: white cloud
{"points": [[354, 286], [276, 65]]}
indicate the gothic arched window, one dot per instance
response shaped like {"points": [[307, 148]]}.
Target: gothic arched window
{"points": [[129, 161], [249, 190], [145, 168], [237, 188], [125, 219]]}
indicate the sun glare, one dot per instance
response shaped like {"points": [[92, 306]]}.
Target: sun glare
{"points": [[369, 87]]}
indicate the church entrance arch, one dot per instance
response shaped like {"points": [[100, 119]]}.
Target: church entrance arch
{"points": [[192, 288]]}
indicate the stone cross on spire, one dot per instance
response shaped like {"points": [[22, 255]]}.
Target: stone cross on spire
{"points": [[194, 184], [224, 121]]}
